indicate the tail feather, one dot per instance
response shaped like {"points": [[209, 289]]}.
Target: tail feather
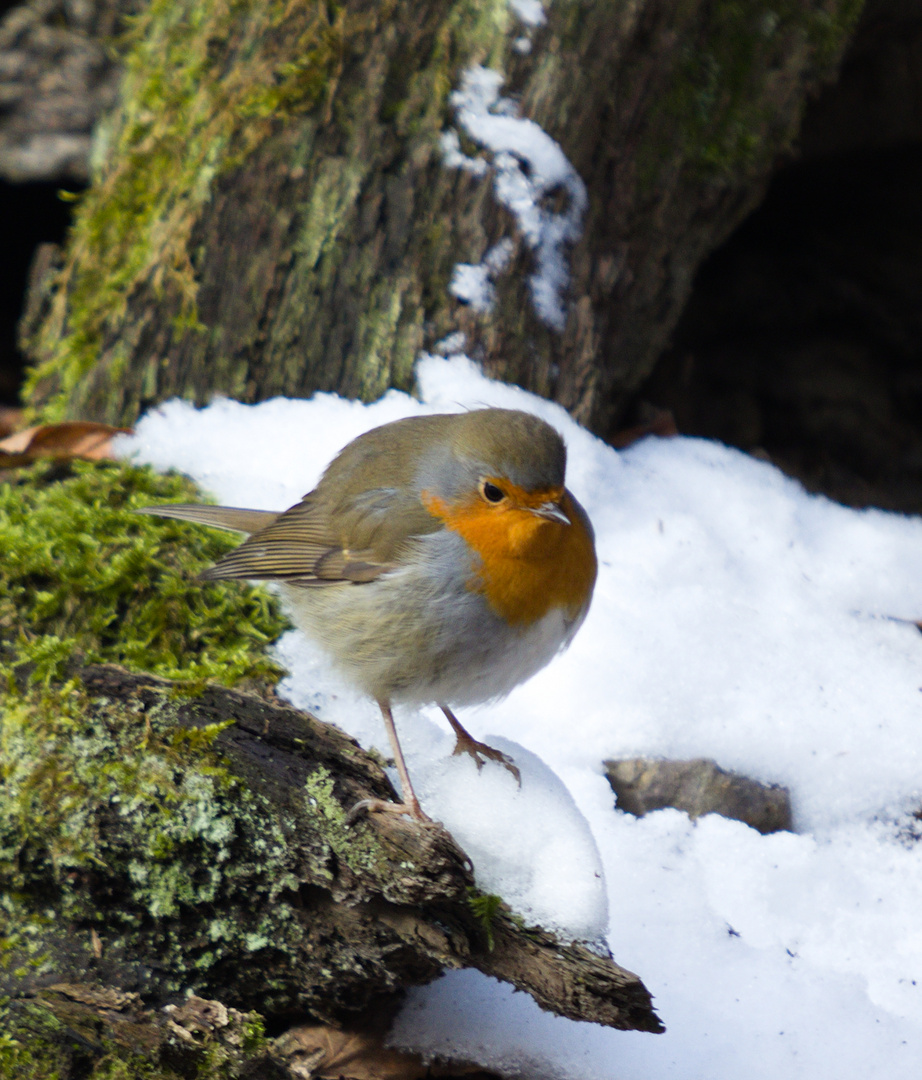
{"points": [[220, 517]]}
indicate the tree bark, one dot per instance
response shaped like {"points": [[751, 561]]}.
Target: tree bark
{"points": [[275, 212], [304, 912]]}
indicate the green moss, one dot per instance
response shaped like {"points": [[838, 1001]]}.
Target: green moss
{"points": [[354, 844], [720, 110], [208, 87], [69, 762], [253, 1035], [30, 1046], [84, 576], [36, 1044], [117, 820], [82, 571], [485, 907], [206, 82], [119, 823]]}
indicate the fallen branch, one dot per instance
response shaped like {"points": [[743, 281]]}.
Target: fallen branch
{"points": [[356, 912]]}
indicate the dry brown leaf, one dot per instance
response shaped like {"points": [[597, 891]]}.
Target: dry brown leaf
{"points": [[316, 1052], [65, 441], [319, 1051]]}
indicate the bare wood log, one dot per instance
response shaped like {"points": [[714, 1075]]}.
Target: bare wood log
{"points": [[360, 912]]}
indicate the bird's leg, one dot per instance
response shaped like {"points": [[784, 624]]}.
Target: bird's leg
{"points": [[410, 804], [467, 744]]}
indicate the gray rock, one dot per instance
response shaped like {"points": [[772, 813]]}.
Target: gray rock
{"points": [[698, 787]]}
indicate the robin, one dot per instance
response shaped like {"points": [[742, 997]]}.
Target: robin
{"points": [[439, 560]]}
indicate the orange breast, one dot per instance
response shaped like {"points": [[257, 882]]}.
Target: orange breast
{"points": [[529, 565]]}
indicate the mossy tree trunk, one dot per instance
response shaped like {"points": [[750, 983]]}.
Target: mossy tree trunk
{"points": [[274, 211]]}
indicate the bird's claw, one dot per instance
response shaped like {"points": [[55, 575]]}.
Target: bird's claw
{"points": [[478, 751], [380, 806]]}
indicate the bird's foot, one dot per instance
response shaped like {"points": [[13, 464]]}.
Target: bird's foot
{"points": [[465, 744], [380, 806]]}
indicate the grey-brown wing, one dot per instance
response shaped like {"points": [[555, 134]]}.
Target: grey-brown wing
{"points": [[298, 548], [219, 517], [316, 543]]}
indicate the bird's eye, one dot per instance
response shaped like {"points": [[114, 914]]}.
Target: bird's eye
{"points": [[491, 492]]}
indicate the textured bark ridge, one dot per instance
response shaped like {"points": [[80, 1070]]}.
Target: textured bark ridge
{"points": [[305, 913], [275, 211]]}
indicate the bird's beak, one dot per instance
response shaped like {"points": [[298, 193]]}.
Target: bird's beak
{"points": [[551, 511]]}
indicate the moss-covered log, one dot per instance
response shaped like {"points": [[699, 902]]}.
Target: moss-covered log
{"points": [[274, 212], [166, 835], [161, 844], [74, 1031]]}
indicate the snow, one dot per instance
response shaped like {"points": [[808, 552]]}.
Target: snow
{"points": [[474, 283], [528, 166], [527, 865], [735, 617], [531, 12]]}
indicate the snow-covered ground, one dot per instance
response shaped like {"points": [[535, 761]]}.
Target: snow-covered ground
{"points": [[735, 617]]}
